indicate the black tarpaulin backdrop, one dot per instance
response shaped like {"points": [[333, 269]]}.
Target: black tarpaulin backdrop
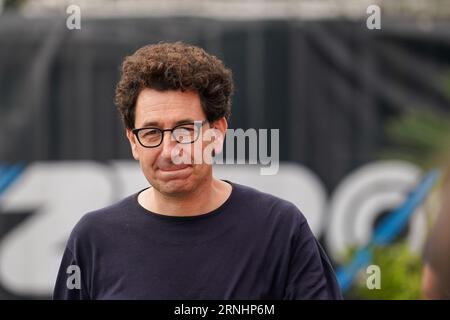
{"points": [[328, 86]]}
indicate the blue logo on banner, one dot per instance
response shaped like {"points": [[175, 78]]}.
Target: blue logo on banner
{"points": [[8, 174]]}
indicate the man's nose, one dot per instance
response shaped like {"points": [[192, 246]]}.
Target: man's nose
{"points": [[168, 144]]}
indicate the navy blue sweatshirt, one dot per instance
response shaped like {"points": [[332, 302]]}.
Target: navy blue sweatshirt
{"points": [[254, 246]]}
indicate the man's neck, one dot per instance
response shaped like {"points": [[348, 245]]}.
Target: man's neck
{"points": [[208, 197]]}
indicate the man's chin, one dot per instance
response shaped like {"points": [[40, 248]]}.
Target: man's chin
{"points": [[175, 187]]}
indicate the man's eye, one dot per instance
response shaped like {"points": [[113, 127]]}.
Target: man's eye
{"points": [[190, 128], [151, 132], [184, 131]]}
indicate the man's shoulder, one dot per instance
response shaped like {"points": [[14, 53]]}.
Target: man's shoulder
{"points": [[112, 211], [264, 203], [97, 221], [258, 197]]}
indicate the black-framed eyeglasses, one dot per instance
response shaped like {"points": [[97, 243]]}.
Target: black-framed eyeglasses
{"points": [[152, 137]]}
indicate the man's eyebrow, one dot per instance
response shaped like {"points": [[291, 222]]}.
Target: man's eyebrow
{"points": [[150, 124], [184, 121], [157, 124]]}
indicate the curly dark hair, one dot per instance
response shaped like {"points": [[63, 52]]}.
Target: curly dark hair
{"points": [[175, 66]]}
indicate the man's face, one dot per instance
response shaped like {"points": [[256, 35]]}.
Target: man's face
{"points": [[165, 110]]}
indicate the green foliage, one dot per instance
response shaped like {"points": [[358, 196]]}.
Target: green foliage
{"points": [[400, 275], [421, 137]]}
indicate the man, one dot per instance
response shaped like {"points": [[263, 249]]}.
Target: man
{"points": [[436, 266], [189, 235]]}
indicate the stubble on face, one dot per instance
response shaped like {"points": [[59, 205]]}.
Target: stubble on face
{"points": [[165, 109]]}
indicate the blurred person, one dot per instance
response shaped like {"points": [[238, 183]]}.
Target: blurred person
{"points": [[436, 269], [188, 235]]}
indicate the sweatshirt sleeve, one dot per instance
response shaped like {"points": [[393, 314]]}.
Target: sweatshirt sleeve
{"points": [[69, 282], [311, 275]]}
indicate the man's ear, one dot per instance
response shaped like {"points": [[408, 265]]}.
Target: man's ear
{"points": [[220, 127], [221, 124], [133, 143]]}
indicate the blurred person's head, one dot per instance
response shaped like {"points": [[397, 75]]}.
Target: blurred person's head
{"points": [[436, 274], [169, 85]]}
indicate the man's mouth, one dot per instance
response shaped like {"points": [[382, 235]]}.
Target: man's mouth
{"points": [[174, 167], [167, 173]]}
